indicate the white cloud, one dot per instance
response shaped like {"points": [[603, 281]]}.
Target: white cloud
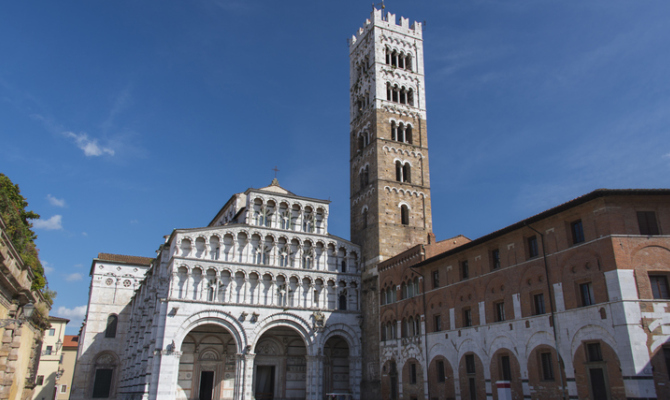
{"points": [[666, 155], [89, 146], [77, 313], [84, 234], [47, 267], [56, 202], [73, 277], [51, 224], [133, 221]]}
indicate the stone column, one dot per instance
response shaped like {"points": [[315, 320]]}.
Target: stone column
{"points": [[313, 378], [356, 375], [248, 362], [272, 291], [310, 296]]}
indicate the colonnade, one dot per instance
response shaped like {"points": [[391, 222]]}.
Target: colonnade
{"points": [[254, 288]]}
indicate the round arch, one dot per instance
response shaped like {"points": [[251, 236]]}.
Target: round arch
{"points": [[213, 317], [285, 320]]}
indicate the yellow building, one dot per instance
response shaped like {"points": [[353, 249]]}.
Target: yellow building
{"points": [[50, 360], [20, 331], [69, 360]]}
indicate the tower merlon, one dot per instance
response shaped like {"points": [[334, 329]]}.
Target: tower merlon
{"points": [[388, 21]]}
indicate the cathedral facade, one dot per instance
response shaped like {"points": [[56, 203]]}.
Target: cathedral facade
{"points": [[262, 303]]}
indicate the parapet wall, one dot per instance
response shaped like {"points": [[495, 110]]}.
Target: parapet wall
{"points": [[390, 22]]}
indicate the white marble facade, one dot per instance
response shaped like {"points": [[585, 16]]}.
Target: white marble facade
{"points": [[262, 303]]}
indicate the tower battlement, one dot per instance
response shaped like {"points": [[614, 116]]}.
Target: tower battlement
{"points": [[388, 21]]}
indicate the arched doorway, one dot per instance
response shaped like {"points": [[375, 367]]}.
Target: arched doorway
{"points": [[280, 365], [207, 364], [336, 366]]}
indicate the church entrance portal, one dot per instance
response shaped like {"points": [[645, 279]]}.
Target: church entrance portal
{"points": [[280, 370], [336, 366], [206, 385], [265, 382], [207, 364]]}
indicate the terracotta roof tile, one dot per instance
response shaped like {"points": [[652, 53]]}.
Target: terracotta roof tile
{"points": [[71, 341], [125, 259]]}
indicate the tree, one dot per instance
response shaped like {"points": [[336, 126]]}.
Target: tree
{"points": [[17, 218]]}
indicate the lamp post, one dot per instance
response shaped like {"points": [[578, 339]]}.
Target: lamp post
{"points": [[27, 309]]}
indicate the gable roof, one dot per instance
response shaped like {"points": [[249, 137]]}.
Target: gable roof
{"points": [[137, 260]]}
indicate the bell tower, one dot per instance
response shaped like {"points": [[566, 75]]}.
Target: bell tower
{"points": [[389, 175]]}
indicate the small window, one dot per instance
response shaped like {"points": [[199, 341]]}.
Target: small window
{"points": [[538, 304], [438, 323], [436, 279], [547, 368], [48, 351], [467, 317], [404, 215], [344, 265], [593, 353], [440, 371], [495, 259], [647, 222], [365, 218], [500, 311], [470, 364], [505, 368], [343, 302], [39, 381], [412, 373], [577, 232], [586, 293], [666, 355], [112, 322], [465, 270], [532, 247], [659, 286], [52, 332], [63, 388]]}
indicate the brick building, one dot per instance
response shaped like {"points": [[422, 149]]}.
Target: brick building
{"points": [[588, 277]]}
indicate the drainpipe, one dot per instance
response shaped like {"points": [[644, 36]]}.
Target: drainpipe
{"points": [[553, 313], [425, 331]]}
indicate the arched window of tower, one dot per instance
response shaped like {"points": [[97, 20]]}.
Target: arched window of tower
{"points": [[406, 173], [404, 214]]}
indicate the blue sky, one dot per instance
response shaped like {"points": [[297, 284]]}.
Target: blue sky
{"points": [[123, 120]]}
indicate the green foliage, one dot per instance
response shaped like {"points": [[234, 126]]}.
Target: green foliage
{"points": [[49, 295], [17, 218]]}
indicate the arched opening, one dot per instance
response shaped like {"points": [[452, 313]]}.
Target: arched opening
{"points": [[471, 374], [404, 215], [105, 372], [407, 173], [389, 380], [412, 379], [207, 364], [441, 378], [505, 367], [280, 365], [112, 322], [336, 366]]}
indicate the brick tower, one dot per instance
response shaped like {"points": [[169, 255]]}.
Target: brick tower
{"points": [[390, 185]]}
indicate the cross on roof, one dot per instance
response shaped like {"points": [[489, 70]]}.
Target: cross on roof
{"points": [[275, 170]]}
